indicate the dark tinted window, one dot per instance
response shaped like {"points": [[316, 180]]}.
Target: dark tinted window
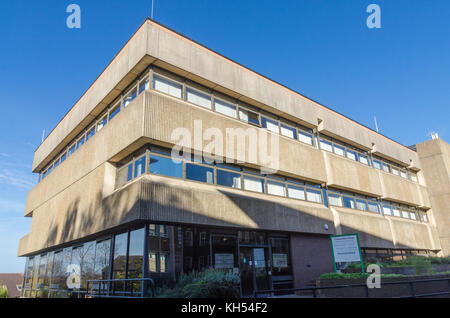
{"points": [[199, 173], [166, 166]]}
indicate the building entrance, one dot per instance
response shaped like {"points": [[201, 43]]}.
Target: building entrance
{"points": [[254, 267]]}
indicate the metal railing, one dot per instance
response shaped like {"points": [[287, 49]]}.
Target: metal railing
{"points": [[413, 292], [121, 288]]}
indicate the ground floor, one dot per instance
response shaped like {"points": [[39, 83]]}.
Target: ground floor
{"points": [[119, 262]]}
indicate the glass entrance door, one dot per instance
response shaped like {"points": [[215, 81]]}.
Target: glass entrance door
{"points": [[254, 270]]}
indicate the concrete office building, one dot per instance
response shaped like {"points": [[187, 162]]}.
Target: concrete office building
{"points": [[111, 199]]}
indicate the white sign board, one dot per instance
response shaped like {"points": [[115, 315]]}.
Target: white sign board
{"points": [[345, 248], [259, 257], [223, 260], [279, 260]]}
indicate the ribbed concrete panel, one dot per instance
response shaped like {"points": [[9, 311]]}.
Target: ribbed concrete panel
{"points": [[373, 230], [164, 114], [410, 234], [167, 200], [354, 176], [123, 130], [400, 189]]}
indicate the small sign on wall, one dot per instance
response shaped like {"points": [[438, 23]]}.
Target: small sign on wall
{"points": [[279, 260], [223, 260]]}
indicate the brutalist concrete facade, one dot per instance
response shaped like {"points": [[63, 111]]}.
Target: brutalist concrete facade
{"points": [[80, 199]]}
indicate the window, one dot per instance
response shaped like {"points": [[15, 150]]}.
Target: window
{"points": [[199, 173], [166, 166], [188, 238], [296, 192], [167, 86], [405, 214], [276, 188], [114, 111], [413, 215], [364, 159], [314, 195], [120, 258], [129, 97], [395, 171], [80, 143], [101, 123], [63, 158], [326, 145], [102, 254], [198, 98], [71, 150], [351, 154], [225, 108], [144, 85], [403, 174], [270, 124], [396, 211], [139, 167], [361, 205], [376, 164], [56, 164], [228, 179], [348, 202], [373, 206], [305, 137], [339, 150], [130, 172], [90, 133], [387, 210], [136, 255], [424, 218], [288, 131], [253, 184], [334, 199], [202, 239], [385, 167], [413, 177], [248, 116]]}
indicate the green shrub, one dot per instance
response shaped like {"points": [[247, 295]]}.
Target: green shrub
{"points": [[210, 283], [355, 275], [422, 265], [4, 292]]}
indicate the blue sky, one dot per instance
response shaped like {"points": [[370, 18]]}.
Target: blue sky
{"points": [[323, 49]]}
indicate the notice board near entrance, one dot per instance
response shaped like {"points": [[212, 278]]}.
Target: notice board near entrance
{"points": [[346, 250]]}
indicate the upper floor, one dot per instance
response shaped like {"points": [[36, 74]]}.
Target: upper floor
{"points": [[198, 74]]}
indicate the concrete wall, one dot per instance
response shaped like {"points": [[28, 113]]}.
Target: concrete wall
{"points": [[78, 198], [145, 120], [435, 159], [155, 43]]}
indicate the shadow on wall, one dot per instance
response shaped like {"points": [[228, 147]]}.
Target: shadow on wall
{"points": [[200, 205]]}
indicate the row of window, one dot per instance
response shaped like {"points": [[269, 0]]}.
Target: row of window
{"points": [[364, 203], [341, 149], [161, 163], [394, 169], [96, 125], [352, 201], [404, 211], [236, 110]]}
